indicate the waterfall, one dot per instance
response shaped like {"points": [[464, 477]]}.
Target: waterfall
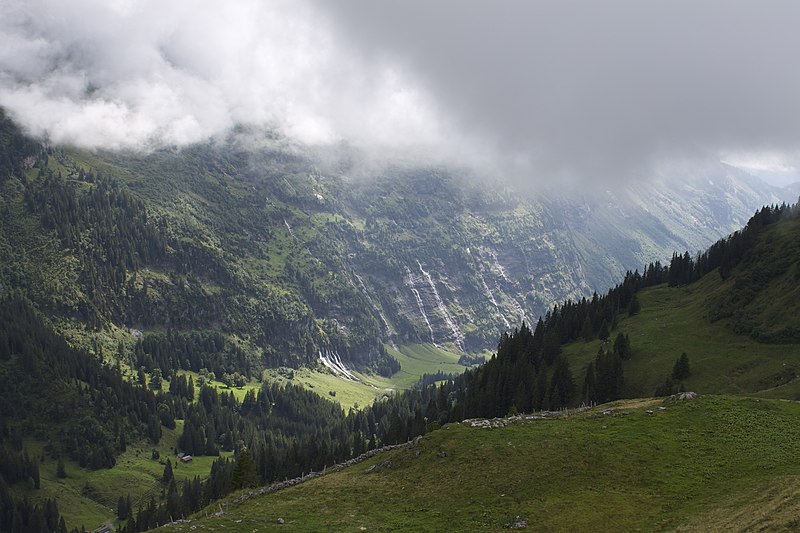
{"points": [[334, 363], [289, 228], [410, 284], [519, 308], [457, 335], [489, 295]]}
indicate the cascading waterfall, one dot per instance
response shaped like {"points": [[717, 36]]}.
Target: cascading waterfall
{"points": [[410, 284], [458, 337], [334, 363], [500, 269], [489, 295], [288, 227]]}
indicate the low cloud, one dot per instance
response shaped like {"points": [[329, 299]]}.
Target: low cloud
{"points": [[578, 90], [140, 74], [598, 89]]}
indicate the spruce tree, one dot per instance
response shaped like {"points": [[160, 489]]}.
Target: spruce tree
{"points": [[604, 334], [634, 307], [589, 395], [122, 512], [681, 369], [244, 472], [168, 475], [622, 346]]}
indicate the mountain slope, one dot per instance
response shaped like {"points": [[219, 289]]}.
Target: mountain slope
{"points": [[287, 259], [682, 468], [740, 332]]}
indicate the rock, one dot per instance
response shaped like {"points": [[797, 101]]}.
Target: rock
{"points": [[281, 521], [519, 523], [649, 411], [442, 453]]}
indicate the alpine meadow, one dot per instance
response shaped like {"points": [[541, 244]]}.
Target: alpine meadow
{"points": [[430, 266]]}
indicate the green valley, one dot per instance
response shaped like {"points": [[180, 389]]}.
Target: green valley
{"points": [[270, 316]]}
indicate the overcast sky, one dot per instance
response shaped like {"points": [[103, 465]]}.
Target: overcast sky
{"points": [[582, 89]]}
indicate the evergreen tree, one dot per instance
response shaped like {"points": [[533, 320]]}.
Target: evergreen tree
{"points": [[604, 333], [634, 307], [666, 389], [562, 386], [681, 369], [244, 472], [122, 510], [156, 379], [168, 475], [589, 394], [622, 346]]}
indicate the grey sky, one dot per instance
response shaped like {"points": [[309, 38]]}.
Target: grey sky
{"points": [[581, 89]]}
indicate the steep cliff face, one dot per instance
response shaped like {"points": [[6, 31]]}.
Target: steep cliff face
{"points": [[295, 266], [458, 264]]}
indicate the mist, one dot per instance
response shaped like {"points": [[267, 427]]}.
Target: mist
{"points": [[572, 91]]}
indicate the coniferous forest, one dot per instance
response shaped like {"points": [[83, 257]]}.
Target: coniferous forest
{"points": [[89, 412]]}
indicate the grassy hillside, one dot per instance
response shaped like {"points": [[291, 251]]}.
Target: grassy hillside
{"points": [[722, 325], [89, 497], [718, 463]]}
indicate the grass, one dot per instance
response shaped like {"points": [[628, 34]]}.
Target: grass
{"points": [[415, 360], [89, 497], [675, 320], [683, 468]]}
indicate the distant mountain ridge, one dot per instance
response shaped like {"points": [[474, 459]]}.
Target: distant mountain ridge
{"points": [[287, 261]]}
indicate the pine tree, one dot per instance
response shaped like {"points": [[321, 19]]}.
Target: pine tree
{"points": [[122, 511], [244, 472], [681, 369], [168, 475], [589, 394], [634, 307], [603, 334], [622, 346]]}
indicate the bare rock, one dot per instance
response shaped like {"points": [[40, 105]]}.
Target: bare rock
{"points": [[519, 523]]}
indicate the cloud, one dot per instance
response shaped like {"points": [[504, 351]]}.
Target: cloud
{"points": [[556, 89], [598, 88], [139, 74]]}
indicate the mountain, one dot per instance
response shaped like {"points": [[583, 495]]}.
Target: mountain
{"points": [[283, 257], [709, 463], [737, 324], [124, 291], [683, 461]]}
